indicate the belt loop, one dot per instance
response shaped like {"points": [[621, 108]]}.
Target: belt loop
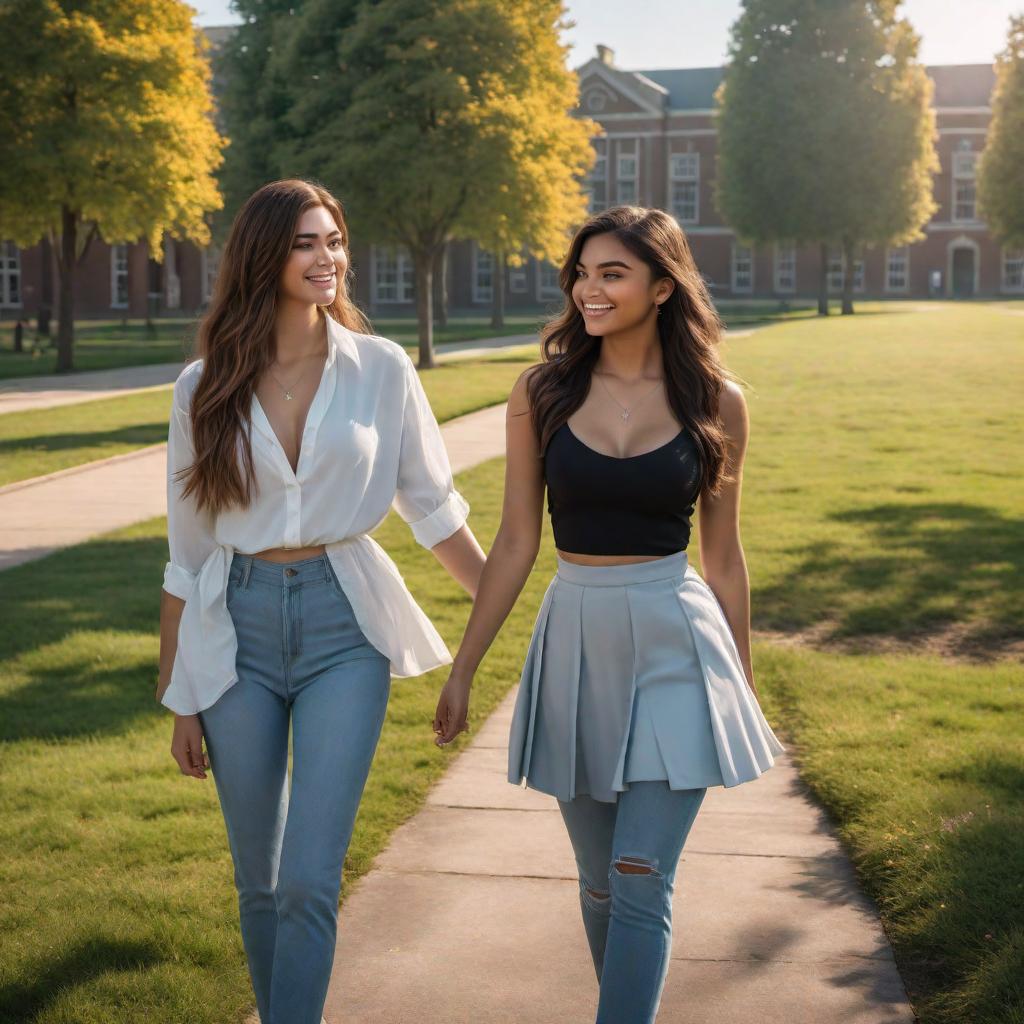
{"points": [[246, 570]]}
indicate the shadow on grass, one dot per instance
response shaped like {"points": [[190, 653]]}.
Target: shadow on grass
{"points": [[138, 433], [80, 964], [101, 586], [941, 565]]}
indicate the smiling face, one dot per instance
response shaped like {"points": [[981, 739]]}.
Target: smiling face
{"points": [[614, 289], [317, 263]]}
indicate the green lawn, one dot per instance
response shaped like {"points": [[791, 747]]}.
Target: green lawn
{"points": [[883, 532], [106, 344], [45, 440]]}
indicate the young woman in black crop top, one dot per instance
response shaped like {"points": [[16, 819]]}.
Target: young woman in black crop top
{"points": [[637, 691]]}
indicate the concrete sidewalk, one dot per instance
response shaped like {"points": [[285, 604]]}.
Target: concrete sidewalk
{"points": [[471, 914], [22, 393], [43, 514]]}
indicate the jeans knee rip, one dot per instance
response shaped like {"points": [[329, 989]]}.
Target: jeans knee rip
{"points": [[635, 866]]}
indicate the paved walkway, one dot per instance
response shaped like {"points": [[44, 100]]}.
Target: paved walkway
{"points": [[21, 393]]}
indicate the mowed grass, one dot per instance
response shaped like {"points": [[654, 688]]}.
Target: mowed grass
{"points": [[882, 527], [42, 441], [119, 904], [882, 523]]}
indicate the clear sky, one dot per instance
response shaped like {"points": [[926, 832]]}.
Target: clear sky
{"points": [[694, 33]]}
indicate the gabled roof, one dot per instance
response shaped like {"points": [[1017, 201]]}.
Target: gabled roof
{"points": [[962, 85]]}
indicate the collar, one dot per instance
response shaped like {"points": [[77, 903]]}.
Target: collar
{"points": [[342, 341]]}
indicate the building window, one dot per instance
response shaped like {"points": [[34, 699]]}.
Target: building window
{"points": [[897, 269], [394, 276], [483, 275], [517, 276], [210, 265], [1013, 270], [547, 280], [742, 269], [964, 161], [626, 172], [10, 275], [785, 268], [837, 268], [596, 185], [119, 276], [684, 181]]}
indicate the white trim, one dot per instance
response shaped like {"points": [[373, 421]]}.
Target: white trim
{"points": [[114, 272], [955, 179], [517, 282], [732, 269], [9, 251], [1003, 286], [906, 270], [962, 110], [962, 225], [692, 179], [837, 254], [482, 295], [780, 289], [542, 292], [635, 178], [963, 242], [695, 112], [402, 263], [596, 67], [963, 131]]}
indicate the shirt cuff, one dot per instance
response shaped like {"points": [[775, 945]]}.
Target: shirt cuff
{"points": [[442, 522], [178, 581]]}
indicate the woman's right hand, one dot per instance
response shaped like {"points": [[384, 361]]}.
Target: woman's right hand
{"points": [[452, 709], [187, 746]]}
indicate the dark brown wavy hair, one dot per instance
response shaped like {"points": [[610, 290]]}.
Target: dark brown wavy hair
{"points": [[235, 338], [688, 326]]}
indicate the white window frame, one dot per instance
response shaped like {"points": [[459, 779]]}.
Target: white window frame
{"points": [[10, 276], [547, 291], [404, 275], [784, 253], [738, 249], [483, 268], [622, 153], [118, 274], [901, 253], [963, 173], [517, 276], [1012, 279], [837, 270], [209, 265], [684, 170], [598, 175]]}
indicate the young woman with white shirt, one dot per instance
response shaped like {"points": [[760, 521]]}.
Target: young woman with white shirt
{"points": [[290, 437], [637, 691]]}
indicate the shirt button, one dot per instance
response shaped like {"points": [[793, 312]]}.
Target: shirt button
{"points": [[291, 572]]}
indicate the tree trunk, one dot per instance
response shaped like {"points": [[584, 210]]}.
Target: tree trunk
{"points": [[424, 260], [66, 291], [823, 281], [441, 285], [847, 277], [498, 291]]}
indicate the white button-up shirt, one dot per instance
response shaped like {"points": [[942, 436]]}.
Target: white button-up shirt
{"points": [[370, 440]]}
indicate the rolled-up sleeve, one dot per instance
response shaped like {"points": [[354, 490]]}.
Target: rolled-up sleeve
{"points": [[190, 536], [425, 496]]}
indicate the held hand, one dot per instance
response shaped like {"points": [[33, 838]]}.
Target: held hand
{"points": [[187, 746], [452, 710]]}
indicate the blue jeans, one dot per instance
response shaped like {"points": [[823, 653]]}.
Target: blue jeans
{"points": [[301, 659], [627, 853]]}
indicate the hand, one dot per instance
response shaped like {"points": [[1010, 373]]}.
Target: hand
{"points": [[452, 710], [187, 746]]}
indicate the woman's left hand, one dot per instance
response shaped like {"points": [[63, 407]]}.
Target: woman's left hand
{"points": [[452, 710]]}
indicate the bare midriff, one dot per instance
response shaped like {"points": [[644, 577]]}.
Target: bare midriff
{"points": [[606, 559], [290, 554]]}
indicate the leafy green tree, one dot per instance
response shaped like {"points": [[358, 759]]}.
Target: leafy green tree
{"points": [[424, 112], [1001, 167], [105, 112], [825, 129]]}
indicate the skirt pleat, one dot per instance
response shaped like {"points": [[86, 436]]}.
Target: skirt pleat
{"points": [[632, 674]]}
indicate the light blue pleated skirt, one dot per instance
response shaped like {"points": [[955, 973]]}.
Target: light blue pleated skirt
{"points": [[632, 674]]}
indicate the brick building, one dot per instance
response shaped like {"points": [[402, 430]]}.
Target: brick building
{"points": [[657, 147]]}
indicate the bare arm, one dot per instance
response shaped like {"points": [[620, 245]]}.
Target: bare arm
{"points": [[171, 608], [462, 557], [508, 564], [721, 552]]}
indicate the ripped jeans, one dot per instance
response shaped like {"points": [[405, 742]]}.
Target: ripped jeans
{"points": [[627, 853]]}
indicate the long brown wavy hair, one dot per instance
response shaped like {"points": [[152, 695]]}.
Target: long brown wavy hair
{"points": [[235, 337], [688, 326]]}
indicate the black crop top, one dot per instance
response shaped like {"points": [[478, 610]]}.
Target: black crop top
{"points": [[604, 505]]}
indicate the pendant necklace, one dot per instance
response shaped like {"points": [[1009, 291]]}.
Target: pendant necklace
{"points": [[625, 412]]}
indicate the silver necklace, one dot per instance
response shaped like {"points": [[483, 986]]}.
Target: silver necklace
{"points": [[288, 396], [626, 411]]}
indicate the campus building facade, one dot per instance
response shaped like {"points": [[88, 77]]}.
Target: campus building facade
{"points": [[657, 147]]}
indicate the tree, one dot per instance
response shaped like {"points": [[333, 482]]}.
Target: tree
{"points": [[419, 115], [105, 116], [825, 129], [1000, 175]]}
